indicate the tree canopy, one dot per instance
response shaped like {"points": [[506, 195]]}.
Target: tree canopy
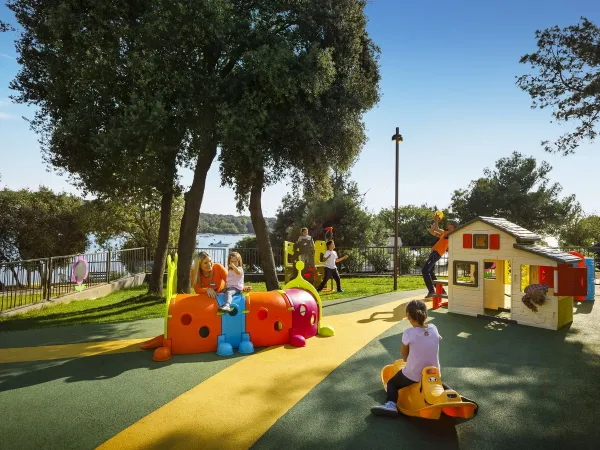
{"points": [[566, 78], [299, 113], [41, 224], [520, 191], [581, 232], [344, 211], [413, 223], [134, 222]]}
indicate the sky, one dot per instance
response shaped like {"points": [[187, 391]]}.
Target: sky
{"points": [[448, 82]]}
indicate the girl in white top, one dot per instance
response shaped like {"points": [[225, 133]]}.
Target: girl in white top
{"points": [[331, 258], [235, 279], [420, 348]]}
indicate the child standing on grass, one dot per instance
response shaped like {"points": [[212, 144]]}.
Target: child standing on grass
{"points": [[331, 258], [235, 279]]}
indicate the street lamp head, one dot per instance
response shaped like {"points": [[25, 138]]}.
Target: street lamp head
{"points": [[397, 138]]}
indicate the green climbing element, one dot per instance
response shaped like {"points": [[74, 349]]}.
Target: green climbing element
{"points": [[171, 291], [299, 282]]}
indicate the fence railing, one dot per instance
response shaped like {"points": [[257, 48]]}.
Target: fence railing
{"points": [[38, 280], [367, 260]]}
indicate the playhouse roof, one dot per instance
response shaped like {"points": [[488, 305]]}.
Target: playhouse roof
{"points": [[521, 234], [547, 252]]}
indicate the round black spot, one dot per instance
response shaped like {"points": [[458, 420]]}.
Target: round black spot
{"points": [[233, 311], [204, 332]]}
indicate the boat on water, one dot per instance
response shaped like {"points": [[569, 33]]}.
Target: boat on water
{"points": [[218, 244]]}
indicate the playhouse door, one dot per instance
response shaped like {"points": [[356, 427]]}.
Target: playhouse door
{"points": [[571, 281], [495, 285]]}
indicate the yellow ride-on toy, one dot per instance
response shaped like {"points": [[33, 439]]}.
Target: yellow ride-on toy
{"points": [[428, 399]]}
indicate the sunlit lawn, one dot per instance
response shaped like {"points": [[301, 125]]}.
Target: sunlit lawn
{"points": [[135, 304]]}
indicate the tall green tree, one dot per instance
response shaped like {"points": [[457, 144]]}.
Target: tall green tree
{"points": [[520, 191], [132, 222], [4, 27], [566, 78], [107, 114], [41, 224], [301, 100], [413, 223], [344, 210], [582, 232]]}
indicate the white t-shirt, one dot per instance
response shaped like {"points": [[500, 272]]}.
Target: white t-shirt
{"points": [[424, 350], [330, 263]]}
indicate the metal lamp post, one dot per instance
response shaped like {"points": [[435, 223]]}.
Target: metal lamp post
{"points": [[398, 138]]}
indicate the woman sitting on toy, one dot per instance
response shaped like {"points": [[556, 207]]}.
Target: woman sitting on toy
{"points": [[210, 278]]}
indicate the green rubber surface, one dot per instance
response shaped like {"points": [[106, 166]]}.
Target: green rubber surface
{"points": [[536, 388]]}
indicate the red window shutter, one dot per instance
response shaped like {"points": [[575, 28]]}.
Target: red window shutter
{"points": [[572, 281], [546, 276], [494, 242], [467, 241]]}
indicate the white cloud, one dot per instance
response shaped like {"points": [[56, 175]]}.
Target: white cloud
{"points": [[6, 116], [4, 55]]}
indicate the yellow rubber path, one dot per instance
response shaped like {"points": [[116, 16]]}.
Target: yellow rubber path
{"points": [[50, 352], [238, 405]]}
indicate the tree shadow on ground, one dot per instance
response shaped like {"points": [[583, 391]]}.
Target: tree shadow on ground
{"points": [[59, 319], [90, 368], [529, 383]]}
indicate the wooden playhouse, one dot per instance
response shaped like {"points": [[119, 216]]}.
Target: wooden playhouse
{"points": [[490, 263]]}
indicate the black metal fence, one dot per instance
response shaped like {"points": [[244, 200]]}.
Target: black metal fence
{"points": [[368, 260], [39, 280]]}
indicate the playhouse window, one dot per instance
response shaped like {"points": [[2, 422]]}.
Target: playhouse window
{"points": [[489, 270], [480, 241], [465, 273]]}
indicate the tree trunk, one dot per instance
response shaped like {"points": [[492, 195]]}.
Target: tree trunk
{"points": [[262, 234], [191, 217], [160, 254]]}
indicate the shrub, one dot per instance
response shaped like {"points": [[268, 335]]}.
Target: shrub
{"points": [[355, 262], [380, 260], [406, 261], [421, 258]]}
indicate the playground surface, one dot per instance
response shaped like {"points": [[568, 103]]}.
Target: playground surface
{"points": [[90, 386]]}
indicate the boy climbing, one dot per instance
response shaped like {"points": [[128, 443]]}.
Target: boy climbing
{"points": [[440, 247]]}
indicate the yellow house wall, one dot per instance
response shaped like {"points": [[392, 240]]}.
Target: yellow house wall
{"points": [[469, 300]]}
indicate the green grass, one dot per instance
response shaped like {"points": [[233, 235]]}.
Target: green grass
{"points": [[136, 304], [10, 299]]}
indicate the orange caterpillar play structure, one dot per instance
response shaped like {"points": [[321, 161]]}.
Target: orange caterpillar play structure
{"points": [[194, 324]]}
